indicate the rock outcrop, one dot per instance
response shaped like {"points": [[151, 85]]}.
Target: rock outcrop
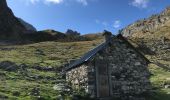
{"points": [[147, 25], [71, 32], [10, 26], [151, 37]]}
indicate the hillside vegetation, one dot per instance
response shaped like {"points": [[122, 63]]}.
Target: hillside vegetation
{"points": [[37, 70]]}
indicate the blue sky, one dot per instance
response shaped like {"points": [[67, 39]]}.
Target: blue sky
{"points": [[85, 16]]}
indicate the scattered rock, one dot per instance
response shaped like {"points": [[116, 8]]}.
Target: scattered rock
{"points": [[7, 49], [16, 93], [48, 68], [61, 87], [8, 66], [3, 97], [167, 86], [168, 79], [39, 52], [35, 91]]}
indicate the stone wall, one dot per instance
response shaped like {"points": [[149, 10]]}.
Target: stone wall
{"points": [[78, 77], [129, 73], [83, 77], [91, 79]]}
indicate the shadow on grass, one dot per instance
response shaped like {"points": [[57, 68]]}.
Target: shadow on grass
{"points": [[159, 95]]}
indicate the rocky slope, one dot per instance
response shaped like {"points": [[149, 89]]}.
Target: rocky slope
{"points": [[10, 26], [151, 36], [145, 27]]}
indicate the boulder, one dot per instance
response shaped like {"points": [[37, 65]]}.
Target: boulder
{"points": [[8, 66], [167, 86]]}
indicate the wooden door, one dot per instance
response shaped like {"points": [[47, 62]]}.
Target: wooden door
{"points": [[102, 78]]}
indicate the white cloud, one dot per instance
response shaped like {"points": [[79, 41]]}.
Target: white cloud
{"points": [[104, 23], [117, 24], [83, 2], [140, 3], [97, 21], [33, 1], [54, 1]]}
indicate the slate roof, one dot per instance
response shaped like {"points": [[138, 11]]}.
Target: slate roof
{"points": [[91, 53], [87, 56]]}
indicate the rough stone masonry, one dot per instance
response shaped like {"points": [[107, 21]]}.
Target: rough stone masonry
{"points": [[114, 69]]}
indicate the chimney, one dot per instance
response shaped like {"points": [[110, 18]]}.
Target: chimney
{"points": [[107, 35]]}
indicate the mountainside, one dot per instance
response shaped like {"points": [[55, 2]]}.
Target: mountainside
{"points": [[28, 26], [151, 37], [149, 27], [10, 26], [13, 28], [52, 35]]}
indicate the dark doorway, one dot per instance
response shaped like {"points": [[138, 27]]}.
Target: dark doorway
{"points": [[102, 78]]}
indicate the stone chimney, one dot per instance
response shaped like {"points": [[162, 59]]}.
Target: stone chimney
{"points": [[107, 35]]}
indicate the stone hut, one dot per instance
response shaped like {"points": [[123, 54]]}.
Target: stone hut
{"points": [[112, 69]]}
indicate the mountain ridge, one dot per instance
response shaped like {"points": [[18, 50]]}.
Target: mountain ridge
{"points": [[147, 26], [28, 26], [10, 26]]}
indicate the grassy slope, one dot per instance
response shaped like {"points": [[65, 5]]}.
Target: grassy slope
{"points": [[55, 54], [158, 78], [44, 54]]}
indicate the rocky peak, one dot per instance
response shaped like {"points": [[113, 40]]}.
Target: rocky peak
{"points": [[10, 27], [71, 32], [3, 3]]}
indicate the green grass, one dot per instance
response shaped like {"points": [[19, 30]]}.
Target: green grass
{"points": [[158, 78], [45, 53], [55, 54], [52, 54], [160, 75], [15, 82]]}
